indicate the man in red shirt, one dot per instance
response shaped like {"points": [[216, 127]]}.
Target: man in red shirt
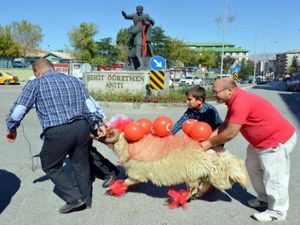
{"points": [[271, 138]]}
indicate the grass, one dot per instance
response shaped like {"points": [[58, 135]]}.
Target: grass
{"points": [[176, 96]]}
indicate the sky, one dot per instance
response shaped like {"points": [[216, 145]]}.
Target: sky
{"points": [[275, 24]]}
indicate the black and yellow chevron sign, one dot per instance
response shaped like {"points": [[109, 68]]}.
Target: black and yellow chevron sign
{"points": [[157, 79], [235, 76]]}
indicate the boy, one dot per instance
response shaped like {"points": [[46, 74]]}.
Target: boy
{"points": [[198, 109], [101, 167]]}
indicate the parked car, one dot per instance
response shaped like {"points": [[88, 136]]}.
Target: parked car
{"points": [[190, 80], [294, 83], [19, 63], [246, 81], [7, 78]]}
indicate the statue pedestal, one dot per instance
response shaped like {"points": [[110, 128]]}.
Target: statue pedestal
{"points": [[117, 81]]}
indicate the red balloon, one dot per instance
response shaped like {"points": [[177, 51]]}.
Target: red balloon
{"points": [[133, 132], [146, 125], [162, 126], [187, 125], [200, 131]]}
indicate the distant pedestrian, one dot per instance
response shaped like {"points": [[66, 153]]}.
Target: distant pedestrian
{"points": [[148, 93], [272, 138], [67, 115]]}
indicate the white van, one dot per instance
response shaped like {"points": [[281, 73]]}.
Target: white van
{"points": [[19, 63]]}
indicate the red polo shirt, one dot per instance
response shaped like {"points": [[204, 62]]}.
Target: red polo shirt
{"points": [[262, 125]]}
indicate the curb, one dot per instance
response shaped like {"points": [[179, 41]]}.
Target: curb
{"points": [[146, 106]]}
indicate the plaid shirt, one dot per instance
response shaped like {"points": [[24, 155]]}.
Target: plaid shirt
{"points": [[207, 114], [59, 99]]}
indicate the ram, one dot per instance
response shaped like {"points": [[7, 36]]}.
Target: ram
{"points": [[185, 163]]}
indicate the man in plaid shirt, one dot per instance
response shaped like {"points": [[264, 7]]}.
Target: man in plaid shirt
{"points": [[67, 114]]}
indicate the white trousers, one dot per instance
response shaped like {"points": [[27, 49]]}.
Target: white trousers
{"points": [[269, 171]]}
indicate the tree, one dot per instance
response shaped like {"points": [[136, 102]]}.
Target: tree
{"points": [[8, 47], [208, 59], [159, 42], [27, 35], [228, 62], [179, 53], [246, 68], [294, 66], [106, 50], [123, 37], [82, 40]]}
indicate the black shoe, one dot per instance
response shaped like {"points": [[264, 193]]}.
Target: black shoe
{"points": [[108, 180], [71, 206]]}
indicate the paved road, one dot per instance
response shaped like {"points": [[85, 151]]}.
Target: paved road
{"points": [[27, 198]]}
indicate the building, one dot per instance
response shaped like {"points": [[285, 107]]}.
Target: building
{"points": [[237, 53], [284, 60], [59, 57]]}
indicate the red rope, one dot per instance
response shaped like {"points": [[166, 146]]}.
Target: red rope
{"points": [[145, 28]]}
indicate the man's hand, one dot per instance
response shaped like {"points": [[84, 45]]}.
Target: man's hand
{"points": [[11, 136], [101, 131], [205, 145], [123, 13]]}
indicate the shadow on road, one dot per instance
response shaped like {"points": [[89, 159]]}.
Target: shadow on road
{"points": [[240, 194], [237, 192], [275, 86], [9, 185], [288, 97]]}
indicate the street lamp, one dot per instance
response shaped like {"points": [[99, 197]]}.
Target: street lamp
{"points": [[255, 43], [224, 19]]}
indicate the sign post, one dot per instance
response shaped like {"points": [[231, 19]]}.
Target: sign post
{"points": [[235, 72]]}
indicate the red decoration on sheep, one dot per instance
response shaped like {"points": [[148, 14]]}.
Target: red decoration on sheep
{"points": [[133, 132], [146, 125], [178, 198], [162, 126], [200, 131], [117, 188], [187, 125]]}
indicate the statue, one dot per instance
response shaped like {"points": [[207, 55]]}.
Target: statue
{"points": [[140, 38]]}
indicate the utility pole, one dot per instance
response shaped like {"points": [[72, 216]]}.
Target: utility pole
{"points": [[254, 69], [223, 36]]}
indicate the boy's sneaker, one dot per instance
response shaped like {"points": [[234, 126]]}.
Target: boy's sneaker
{"points": [[268, 216], [255, 203]]}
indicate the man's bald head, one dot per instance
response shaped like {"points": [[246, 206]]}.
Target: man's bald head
{"points": [[225, 82], [223, 89], [41, 66]]}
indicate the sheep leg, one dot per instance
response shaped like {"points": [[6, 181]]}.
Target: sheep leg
{"points": [[203, 187], [130, 181], [192, 189]]}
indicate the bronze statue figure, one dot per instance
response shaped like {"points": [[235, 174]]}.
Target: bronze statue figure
{"points": [[140, 38]]}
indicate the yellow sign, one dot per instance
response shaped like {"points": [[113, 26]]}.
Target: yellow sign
{"points": [[235, 76], [157, 79]]}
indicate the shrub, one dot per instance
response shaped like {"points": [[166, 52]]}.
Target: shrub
{"points": [[174, 96]]}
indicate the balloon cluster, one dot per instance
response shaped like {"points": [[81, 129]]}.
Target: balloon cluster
{"points": [[161, 127], [199, 131]]}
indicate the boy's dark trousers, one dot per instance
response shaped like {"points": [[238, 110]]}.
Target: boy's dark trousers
{"points": [[100, 167]]}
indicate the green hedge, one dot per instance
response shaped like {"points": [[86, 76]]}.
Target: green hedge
{"points": [[174, 96]]}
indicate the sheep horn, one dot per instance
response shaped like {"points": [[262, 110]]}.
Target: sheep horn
{"points": [[112, 136]]}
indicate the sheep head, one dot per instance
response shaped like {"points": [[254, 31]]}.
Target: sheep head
{"points": [[112, 136]]}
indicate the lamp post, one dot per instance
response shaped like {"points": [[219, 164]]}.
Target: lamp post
{"points": [[223, 37], [224, 19], [255, 43]]}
